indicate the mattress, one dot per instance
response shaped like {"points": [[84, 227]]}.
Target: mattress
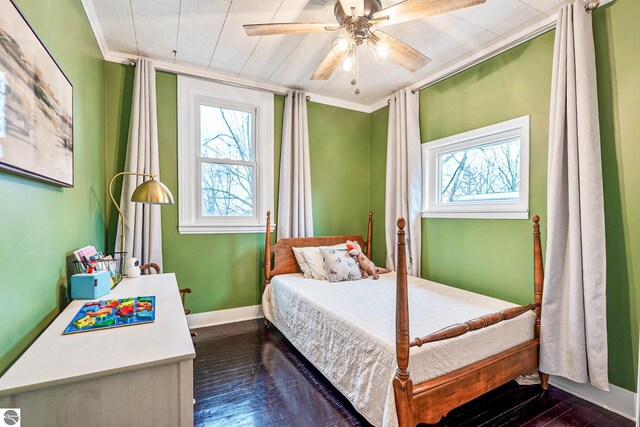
{"points": [[347, 331]]}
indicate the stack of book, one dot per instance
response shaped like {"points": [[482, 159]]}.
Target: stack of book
{"points": [[90, 260]]}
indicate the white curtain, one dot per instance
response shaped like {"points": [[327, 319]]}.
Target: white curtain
{"points": [[295, 216], [143, 239], [574, 322], [403, 197]]}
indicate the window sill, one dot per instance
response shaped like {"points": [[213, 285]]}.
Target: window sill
{"points": [[476, 215], [223, 229]]}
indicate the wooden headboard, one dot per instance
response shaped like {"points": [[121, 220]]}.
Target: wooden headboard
{"points": [[284, 261]]}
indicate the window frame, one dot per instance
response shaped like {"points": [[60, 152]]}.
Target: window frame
{"points": [[432, 208], [192, 94]]}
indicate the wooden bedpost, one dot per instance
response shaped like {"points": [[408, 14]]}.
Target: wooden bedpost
{"points": [[369, 235], [538, 282], [267, 252], [538, 271], [402, 384]]}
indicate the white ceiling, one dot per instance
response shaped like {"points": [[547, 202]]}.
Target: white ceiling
{"points": [[208, 34]]}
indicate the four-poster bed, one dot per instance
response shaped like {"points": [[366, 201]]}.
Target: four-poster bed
{"points": [[345, 330]]}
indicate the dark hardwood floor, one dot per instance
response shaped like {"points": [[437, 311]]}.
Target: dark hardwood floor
{"points": [[245, 375]]}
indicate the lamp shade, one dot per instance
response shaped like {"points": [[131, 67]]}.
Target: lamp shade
{"points": [[153, 192]]}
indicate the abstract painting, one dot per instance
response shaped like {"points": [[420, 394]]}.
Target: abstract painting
{"points": [[36, 105]]}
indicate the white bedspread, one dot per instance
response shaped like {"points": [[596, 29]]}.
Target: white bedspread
{"points": [[347, 331]]}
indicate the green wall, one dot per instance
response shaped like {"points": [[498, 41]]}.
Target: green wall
{"points": [[41, 224], [339, 152], [377, 180], [496, 254], [224, 270], [618, 67]]}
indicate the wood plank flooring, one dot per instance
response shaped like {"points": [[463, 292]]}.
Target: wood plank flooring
{"points": [[245, 375]]}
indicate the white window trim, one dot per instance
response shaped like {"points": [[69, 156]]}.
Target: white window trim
{"points": [[495, 210], [191, 92]]}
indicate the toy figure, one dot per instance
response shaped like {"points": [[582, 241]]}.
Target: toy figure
{"points": [[367, 267]]}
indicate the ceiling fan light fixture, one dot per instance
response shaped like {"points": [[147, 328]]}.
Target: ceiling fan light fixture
{"points": [[380, 49], [350, 62], [340, 46]]}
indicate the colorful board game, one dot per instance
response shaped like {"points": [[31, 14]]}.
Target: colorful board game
{"points": [[113, 314]]}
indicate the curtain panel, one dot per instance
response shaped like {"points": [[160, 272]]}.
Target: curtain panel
{"points": [[403, 195], [574, 323], [142, 221], [295, 213]]}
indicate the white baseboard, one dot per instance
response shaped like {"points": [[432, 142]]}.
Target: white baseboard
{"points": [[617, 399], [220, 317]]}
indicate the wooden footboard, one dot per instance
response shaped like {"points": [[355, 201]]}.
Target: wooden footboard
{"points": [[434, 399], [429, 401]]}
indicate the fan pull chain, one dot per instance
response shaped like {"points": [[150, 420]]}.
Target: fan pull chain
{"points": [[355, 81]]}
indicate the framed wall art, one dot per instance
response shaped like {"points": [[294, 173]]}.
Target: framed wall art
{"points": [[36, 104]]}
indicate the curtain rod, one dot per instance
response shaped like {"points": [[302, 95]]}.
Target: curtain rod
{"points": [[160, 67], [592, 5], [308, 98]]}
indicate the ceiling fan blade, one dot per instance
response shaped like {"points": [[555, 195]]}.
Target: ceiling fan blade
{"points": [[402, 53], [340, 12], [409, 10], [289, 28], [327, 67]]}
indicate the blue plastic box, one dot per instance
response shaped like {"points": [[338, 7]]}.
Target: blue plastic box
{"points": [[90, 286]]}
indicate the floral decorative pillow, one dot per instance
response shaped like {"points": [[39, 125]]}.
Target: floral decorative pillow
{"points": [[339, 265]]}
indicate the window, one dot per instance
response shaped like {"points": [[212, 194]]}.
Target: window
{"points": [[225, 157], [483, 173]]}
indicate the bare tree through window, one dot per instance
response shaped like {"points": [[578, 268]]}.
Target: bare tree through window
{"points": [[228, 162], [481, 173]]}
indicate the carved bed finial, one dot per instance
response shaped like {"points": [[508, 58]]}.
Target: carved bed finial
{"points": [[369, 247]]}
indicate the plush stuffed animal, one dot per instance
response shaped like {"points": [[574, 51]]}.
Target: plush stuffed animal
{"points": [[367, 267]]}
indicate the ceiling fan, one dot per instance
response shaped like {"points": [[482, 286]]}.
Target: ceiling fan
{"points": [[359, 23]]}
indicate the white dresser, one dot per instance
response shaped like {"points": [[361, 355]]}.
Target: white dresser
{"points": [[138, 375]]}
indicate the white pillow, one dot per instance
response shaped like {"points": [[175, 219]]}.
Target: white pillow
{"points": [[304, 265], [313, 258]]}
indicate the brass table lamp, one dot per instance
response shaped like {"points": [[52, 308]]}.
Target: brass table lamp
{"points": [[151, 192]]}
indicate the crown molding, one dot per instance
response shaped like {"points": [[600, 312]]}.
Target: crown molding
{"points": [[95, 26], [341, 103], [489, 52], [189, 70], [544, 25], [380, 104], [231, 79]]}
